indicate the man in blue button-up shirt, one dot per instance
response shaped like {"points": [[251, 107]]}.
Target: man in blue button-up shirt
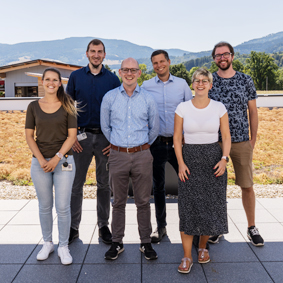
{"points": [[88, 86], [130, 122], [168, 91]]}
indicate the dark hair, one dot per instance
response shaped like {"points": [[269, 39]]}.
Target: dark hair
{"points": [[95, 42], [223, 43], [157, 52], [66, 100]]}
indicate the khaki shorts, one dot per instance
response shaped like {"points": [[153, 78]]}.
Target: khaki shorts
{"points": [[241, 155]]}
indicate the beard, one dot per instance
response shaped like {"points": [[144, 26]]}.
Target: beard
{"points": [[225, 68], [95, 66]]}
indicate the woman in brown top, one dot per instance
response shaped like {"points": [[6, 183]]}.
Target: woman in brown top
{"points": [[54, 119]]}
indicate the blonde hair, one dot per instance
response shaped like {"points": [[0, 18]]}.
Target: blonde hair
{"points": [[202, 72]]}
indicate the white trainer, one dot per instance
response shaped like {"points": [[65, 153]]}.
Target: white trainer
{"points": [[46, 250], [64, 254]]}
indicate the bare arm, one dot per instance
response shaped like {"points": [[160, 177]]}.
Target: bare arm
{"points": [[33, 147], [226, 144], [253, 117], [177, 138]]}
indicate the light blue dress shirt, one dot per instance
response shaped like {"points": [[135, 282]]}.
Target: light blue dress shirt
{"points": [[168, 96], [129, 121]]}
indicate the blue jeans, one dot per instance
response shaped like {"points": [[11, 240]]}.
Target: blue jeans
{"points": [[162, 152], [43, 183]]}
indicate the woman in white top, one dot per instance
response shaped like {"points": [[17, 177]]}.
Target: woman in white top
{"points": [[202, 168]]}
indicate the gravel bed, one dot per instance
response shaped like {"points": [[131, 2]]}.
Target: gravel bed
{"points": [[11, 192]]}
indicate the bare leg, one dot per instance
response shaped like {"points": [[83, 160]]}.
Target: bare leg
{"points": [[202, 241], [248, 199], [187, 242]]}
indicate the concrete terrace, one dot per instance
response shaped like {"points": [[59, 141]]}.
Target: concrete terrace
{"points": [[234, 259]]}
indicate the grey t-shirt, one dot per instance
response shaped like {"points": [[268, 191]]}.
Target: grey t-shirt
{"points": [[51, 128], [235, 94]]}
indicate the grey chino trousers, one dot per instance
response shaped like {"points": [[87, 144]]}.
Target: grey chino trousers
{"points": [[138, 166], [92, 146]]}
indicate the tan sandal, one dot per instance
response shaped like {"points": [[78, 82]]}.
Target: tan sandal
{"points": [[183, 267], [203, 256]]}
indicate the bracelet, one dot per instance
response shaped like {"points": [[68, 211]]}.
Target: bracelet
{"points": [[60, 155]]}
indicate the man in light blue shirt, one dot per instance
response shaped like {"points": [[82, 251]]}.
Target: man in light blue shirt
{"points": [[130, 122], [168, 91]]}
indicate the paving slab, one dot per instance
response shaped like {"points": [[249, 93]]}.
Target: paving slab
{"points": [[169, 253], [261, 216], [89, 204], [236, 203], [236, 272], [130, 255], [269, 231], [13, 204], [9, 271], [20, 234], [7, 216], [48, 273], [271, 203], [271, 251], [28, 217], [277, 214], [117, 273], [275, 270], [15, 253], [160, 273], [231, 252]]}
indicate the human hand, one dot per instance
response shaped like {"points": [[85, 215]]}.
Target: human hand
{"points": [[221, 167], [106, 150], [184, 172], [51, 164], [77, 147], [252, 143]]}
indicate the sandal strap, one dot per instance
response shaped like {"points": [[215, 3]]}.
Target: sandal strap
{"points": [[202, 251], [184, 260]]}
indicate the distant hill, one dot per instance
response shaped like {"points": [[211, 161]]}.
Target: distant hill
{"points": [[72, 50]]}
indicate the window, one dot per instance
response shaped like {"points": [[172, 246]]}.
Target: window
{"points": [[26, 91]]}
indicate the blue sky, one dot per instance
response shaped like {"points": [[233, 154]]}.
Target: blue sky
{"points": [[184, 24]]}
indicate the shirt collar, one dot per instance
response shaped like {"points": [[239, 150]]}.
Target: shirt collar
{"points": [[87, 69], [122, 90], [171, 79]]}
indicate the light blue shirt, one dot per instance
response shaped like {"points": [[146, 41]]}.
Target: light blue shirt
{"points": [[168, 96], [129, 121]]}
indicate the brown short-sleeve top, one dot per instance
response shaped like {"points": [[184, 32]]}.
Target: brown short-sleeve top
{"points": [[51, 128]]}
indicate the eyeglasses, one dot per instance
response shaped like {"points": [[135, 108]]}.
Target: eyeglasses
{"points": [[197, 81], [225, 55], [126, 70]]}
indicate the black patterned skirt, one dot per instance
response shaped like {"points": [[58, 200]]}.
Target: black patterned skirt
{"points": [[202, 198]]}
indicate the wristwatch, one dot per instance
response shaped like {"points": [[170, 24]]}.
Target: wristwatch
{"points": [[60, 155], [226, 158]]}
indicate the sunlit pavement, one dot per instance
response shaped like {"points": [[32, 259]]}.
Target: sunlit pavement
{"points": [[234, 259]]}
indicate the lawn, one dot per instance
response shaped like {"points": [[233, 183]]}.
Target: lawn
{"points": [[15, 156]]}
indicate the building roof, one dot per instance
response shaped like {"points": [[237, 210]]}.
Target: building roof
{"points": [[37, 62]]}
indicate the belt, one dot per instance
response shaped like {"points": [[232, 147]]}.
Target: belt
{"points": [[92, 130], [131, 149], [165, 139]]}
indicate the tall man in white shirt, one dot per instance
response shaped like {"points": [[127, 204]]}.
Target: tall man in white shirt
{"points": [[168, 92]]}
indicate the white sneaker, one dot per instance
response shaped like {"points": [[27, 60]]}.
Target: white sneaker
{"points": [[64, 254], [47, 249]]}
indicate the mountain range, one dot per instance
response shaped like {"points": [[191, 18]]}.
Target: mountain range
{"points": [[72, 50]]}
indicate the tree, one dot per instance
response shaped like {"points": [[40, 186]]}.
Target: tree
{"points": [[279, 79], [238, 66], [261, 66], [144, 76], [181, 72], [107, 67], [213, 68]]}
